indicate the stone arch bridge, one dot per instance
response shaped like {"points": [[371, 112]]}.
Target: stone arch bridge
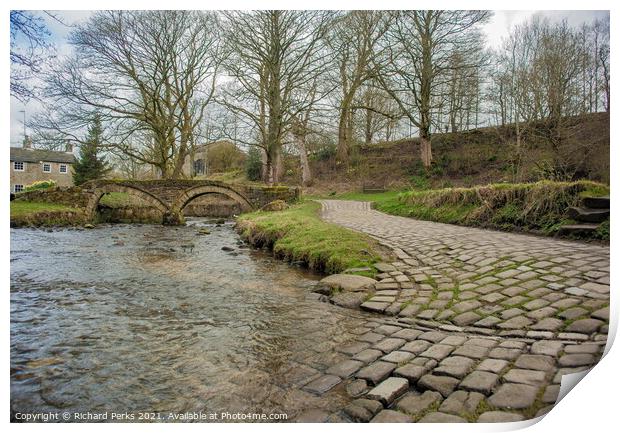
{"points": [[171, 196]]}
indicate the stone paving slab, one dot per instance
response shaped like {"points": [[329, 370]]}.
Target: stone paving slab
{"points": [[483, 278], [540, 313]]}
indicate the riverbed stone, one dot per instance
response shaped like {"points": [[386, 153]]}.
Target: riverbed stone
{"points": [[391, 416], [368, 355], [352, 349], [411, 372], [371, 337], [322, 384], [415, 404], [514, 396], [388, 390], [357, 387], [388, 345], [376, 372], [312, 416], [350, 283], [398, 357], [375, 307], [348, 299], [407, 334], [442, 384], [345, 369], [362, 410]]}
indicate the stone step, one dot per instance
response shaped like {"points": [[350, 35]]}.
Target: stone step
{"points": [[596, 202], [587, 215], [577, 229]]}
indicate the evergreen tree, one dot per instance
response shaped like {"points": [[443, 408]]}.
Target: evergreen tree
{"points": [[89, 165], [253, 164]]}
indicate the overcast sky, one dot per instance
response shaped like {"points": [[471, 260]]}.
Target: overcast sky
{"points": [[498, 27]]}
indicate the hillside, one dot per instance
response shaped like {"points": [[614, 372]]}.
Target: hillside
{"points": [[480, 156]]}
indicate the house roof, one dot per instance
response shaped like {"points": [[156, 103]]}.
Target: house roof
{"points": [[20, 154]]}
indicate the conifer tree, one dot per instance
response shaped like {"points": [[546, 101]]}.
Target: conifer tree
{"points": [[89, 165]]}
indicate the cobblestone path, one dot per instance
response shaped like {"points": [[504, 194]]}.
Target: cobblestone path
{"points": [[477, 325]]}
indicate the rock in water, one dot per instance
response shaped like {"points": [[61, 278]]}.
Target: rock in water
{"points": [[89, 226], [228, 249], [349, 283]]}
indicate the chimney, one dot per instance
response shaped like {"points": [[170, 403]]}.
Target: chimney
{"points": [[27, 144], [68, 147]]}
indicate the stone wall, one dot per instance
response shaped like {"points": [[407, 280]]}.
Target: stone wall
{"points": [[71, 196]]}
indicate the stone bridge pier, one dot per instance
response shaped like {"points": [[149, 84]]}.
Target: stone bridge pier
{"points": [[170, 197]]}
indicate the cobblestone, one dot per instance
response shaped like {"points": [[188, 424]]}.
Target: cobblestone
{"points": [[415, 404], [526, 311]]}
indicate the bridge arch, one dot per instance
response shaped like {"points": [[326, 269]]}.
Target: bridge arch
{"points": [[192, 193], [150, 199]]}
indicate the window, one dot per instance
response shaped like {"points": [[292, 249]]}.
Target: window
{"points": [[18, 166], [18, 188], [47, 168], [63, 168], [199, 167]]}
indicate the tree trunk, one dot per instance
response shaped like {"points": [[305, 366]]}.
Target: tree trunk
{"points": [[306, 174], [425, 150]]}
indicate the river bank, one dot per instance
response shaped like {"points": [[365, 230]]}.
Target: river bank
{"points": [[298, 234]]}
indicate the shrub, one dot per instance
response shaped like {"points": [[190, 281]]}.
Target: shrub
{"points": [[538, 206], [40, 185]]}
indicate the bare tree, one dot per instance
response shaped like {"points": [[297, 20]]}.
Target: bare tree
{"points": [[149, 74], [421, 44], [354, 41], [273, 55], [30, 50]]}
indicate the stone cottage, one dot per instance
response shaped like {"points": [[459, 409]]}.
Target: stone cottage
{"points": [[30, 165]]}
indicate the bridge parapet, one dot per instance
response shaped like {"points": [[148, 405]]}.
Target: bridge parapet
{"points": [[172, 195]]}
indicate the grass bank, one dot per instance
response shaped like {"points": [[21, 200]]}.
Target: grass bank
{"points": [[539, 207], [28, 213], [297, 234]]}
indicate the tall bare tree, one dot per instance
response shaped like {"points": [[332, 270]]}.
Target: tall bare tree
{"points": [[355, 43], [149, 74], [420, 49], [274, 54]]}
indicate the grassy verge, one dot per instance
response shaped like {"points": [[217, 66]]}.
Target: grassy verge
{"points": [[539, 207], [298, 234], [25, 213]]}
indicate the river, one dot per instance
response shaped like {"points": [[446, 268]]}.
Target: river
{"points": [[146, 318]]}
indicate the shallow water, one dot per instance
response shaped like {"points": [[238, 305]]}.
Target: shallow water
{"points": [[161, 319]]}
